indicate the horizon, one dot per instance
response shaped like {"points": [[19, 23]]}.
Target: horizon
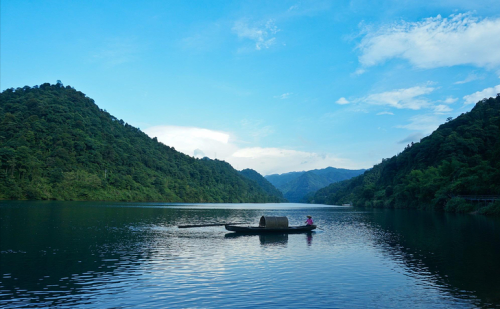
{"points": [[279, 87]]}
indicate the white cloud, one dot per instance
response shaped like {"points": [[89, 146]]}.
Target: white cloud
{"points": [[436, 42], [450, 100], [261, 35], [423, 123], [342, 101], [408, 98], [276, 161], [194, 141], [201, 142], [442, 109], [478, 96], [385, 113], [283, 96]]}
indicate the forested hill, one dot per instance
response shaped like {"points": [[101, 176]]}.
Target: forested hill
{"points": [[459, 159], [55, 143], [263, 183], [296, 186]]}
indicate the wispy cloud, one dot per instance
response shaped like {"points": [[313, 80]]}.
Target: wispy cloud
{"points": [[423, 123], [450, 100], [283, 96], [409, 98], [471, 77], [435, 42], [415, 137], [385, 113], [359, 72], [342, 101], [117, 51], [478, 96], [305, 8], [261, 35], [256, 129], [442, 109]]}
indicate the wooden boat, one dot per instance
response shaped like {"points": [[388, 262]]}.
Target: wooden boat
{"points": [[271, 225], [264, 230]]}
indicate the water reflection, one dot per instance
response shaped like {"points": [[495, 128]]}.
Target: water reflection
{"points": [[85, 255], [309, 237], [272, 239], [52, 255], [453, 250], [264, 239]]}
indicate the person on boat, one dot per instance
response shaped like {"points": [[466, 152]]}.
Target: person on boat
{"points": [[309, 220]]}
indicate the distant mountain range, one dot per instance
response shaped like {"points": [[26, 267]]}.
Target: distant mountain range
{"points": [[298, 186], [263, 183]]}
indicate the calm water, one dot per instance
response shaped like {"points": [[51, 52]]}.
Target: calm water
{"points": [[123, 255]]}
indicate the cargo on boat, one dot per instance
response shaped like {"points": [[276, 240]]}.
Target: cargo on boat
{"points": [[271, 225]]}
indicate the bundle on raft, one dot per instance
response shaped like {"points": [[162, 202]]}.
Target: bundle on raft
{"points": [[271, 225]]}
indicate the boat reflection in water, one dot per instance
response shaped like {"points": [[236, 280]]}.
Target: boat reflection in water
{"points": [[265, 239], [271, 239]]}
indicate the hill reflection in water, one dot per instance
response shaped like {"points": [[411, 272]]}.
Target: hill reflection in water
{"points": [[125, 255]]}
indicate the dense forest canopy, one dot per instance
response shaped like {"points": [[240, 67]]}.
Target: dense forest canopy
{"points": [[461, 158], [263, 183], [55, 143]]}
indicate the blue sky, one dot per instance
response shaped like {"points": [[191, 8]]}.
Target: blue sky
{"points": [[276, 86]]}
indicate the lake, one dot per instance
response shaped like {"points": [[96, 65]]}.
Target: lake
{"points": [[124, 255]]}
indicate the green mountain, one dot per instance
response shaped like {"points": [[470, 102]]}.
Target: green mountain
{"points": [[280, 180], [55, 143], [263, 183], [297, 186], [461, 158]]}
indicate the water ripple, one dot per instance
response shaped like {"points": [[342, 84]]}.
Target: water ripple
{"points": [[140, 259]]}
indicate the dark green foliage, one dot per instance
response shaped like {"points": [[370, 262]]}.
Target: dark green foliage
{"points": [[460, 158], [492, 209], [299, 186], [263, 183], [55, 143], [458, 204]]}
